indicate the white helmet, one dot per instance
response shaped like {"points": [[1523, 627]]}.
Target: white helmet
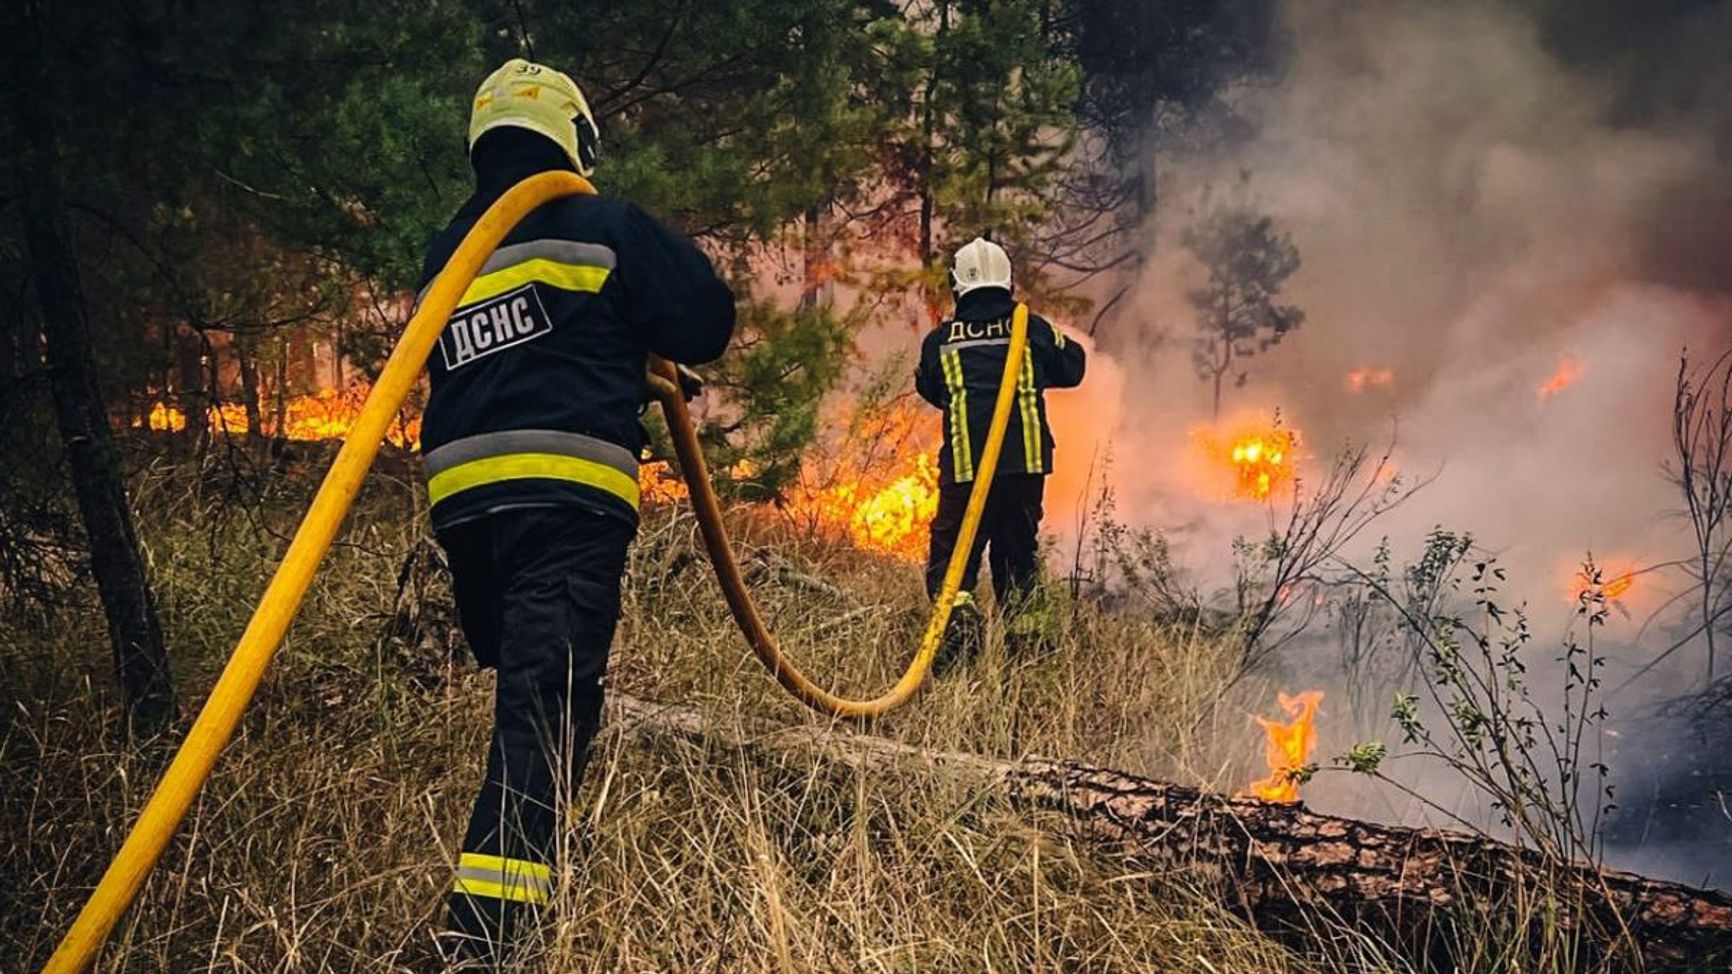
{"points": [[979, 263]]}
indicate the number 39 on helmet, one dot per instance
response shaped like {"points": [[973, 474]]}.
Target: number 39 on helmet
{"points": [[536, 97]]}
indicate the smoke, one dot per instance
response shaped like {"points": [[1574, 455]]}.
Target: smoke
{"points": [[1516, 222], [1476, 217]]}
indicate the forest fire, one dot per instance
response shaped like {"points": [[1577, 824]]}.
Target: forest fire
{"points": [[1289, 748], [1568, 373], [889, 518], [328, 414], [877, 484], [659, 483], [885, 512], [1254, 460]]}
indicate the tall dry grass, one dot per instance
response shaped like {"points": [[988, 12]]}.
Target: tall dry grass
{"points": [[325, 839]]}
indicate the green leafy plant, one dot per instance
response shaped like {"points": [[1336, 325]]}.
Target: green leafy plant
{"points": [[1474, 709]]}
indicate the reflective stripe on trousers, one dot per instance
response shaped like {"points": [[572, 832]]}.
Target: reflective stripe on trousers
{"points": [[502, 878]]}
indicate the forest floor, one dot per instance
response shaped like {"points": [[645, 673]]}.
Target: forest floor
{"points": [[326, 837]]}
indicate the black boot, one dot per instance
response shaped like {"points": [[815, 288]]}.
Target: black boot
{"points": [[964, 634]]}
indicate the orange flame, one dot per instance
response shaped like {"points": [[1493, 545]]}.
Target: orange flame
{"points": [[876, 485], [325, 415], [871, 487], [878, 495], [895, 519], [1568, 372], [1256, 460], [658, 484], [1369, 377], [888, 514], [1615, 582], [1289, 747]]}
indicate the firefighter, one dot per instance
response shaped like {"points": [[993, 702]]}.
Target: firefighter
{"points": [[961, 367], [531, 441]]}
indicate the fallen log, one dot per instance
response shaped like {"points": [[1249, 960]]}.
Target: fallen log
{"points": [[1283, 866]]}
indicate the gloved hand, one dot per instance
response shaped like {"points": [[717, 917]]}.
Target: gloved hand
{"points": [[691, 383]]}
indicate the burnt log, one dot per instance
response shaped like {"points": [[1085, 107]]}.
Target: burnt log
{"points": [[1282, 866]]}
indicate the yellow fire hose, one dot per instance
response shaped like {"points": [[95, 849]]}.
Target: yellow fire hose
{"points": [[234, 689], [709, 511]]}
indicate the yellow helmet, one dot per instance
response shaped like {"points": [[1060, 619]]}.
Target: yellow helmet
{"points": [[536, 97]]}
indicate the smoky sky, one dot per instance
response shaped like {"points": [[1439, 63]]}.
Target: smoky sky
{"points": [[1662, 66], [1518, 216], [1483, 195]]}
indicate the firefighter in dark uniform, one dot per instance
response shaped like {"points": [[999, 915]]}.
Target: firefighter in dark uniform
{"points": [[531, 440], [961, 367]]}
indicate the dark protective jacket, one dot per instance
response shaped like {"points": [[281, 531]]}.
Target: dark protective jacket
{"points": [[539, 375], [961, 365]]}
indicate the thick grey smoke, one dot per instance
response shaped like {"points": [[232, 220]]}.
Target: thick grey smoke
{"points": [[1475, 216], [1486, 200]]}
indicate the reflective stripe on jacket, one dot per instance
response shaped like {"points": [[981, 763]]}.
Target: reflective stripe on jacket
{"points": [[538, 380], [961, 365]]}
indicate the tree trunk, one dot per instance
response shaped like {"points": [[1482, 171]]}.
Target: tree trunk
{"points": [[248, 367], [280, 392], [195, 389], [815, 286], [137, 640], [928, 151], [1284, 867]]}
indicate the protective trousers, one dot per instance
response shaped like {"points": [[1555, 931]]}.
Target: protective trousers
{"points": [[1010, 526], [537, 593]]}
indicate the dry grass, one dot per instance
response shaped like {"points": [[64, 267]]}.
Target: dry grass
{"points": [[324, 840]]}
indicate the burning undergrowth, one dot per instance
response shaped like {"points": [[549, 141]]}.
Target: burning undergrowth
{"points": [[327, 414], [1252, 460], [1290, 747], [877, 484]]}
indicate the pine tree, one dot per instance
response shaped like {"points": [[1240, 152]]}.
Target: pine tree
{"points": [[1239, 310]]}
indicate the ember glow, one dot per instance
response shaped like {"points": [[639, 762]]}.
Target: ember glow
{"points": [[1360, 380], [1254, 461], [1569, 372], [328, 414], [1616, 580], [1289, 747]]}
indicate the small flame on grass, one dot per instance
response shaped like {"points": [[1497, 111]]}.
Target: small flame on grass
{"points": [[1289, 747]]}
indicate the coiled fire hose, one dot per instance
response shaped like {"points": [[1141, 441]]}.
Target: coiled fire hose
{"points": [[234, 689]]}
